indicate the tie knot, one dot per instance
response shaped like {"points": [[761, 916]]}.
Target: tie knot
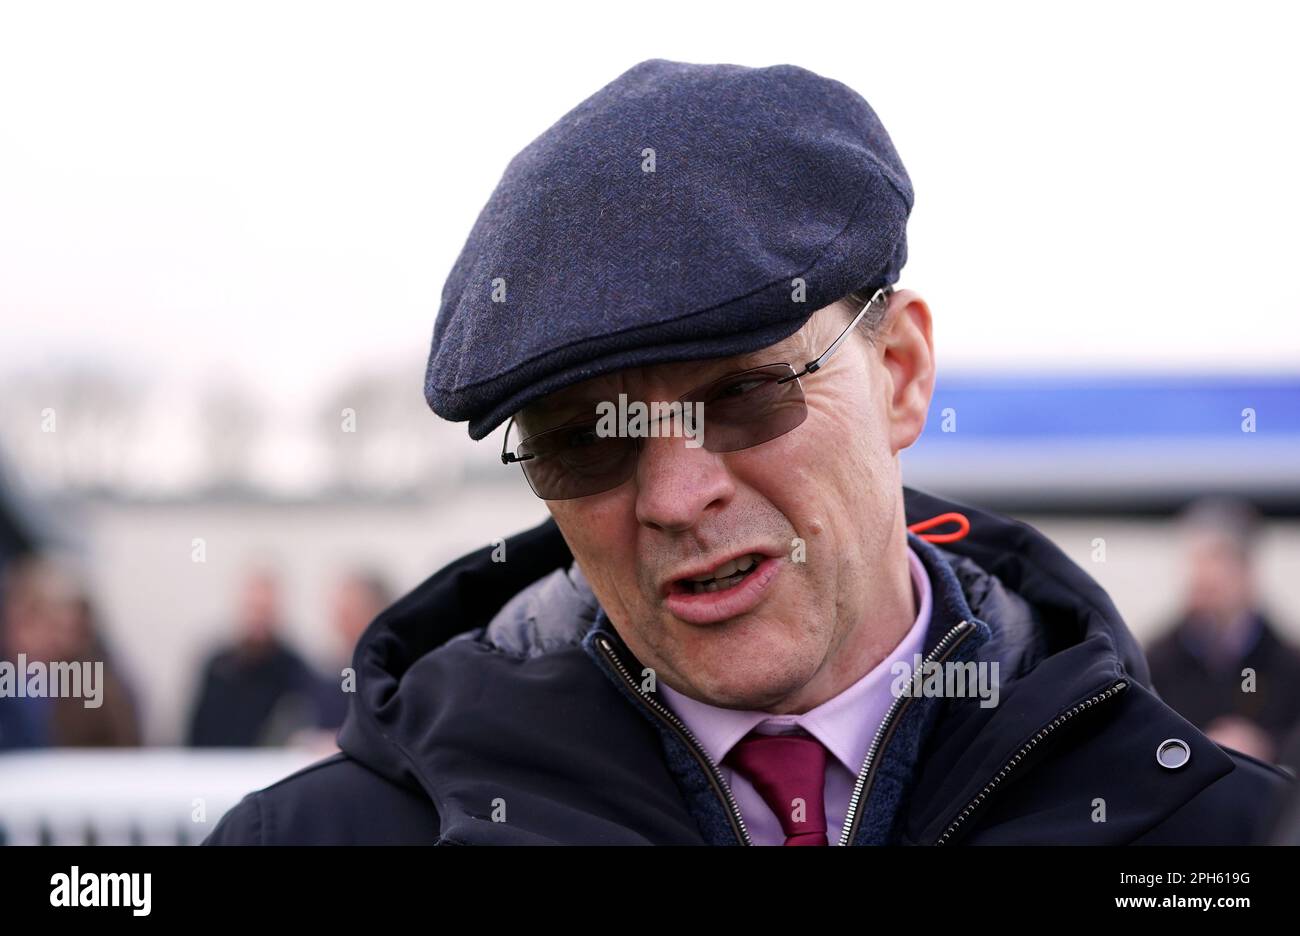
{"points": [[789, 772]]}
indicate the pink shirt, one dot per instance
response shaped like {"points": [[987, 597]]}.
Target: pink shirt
{"points": [[845, 724]]}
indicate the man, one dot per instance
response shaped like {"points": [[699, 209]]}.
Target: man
{"points": [[714, 638], [1223, 665], [48, 618], [355, 600], [257, 691]]}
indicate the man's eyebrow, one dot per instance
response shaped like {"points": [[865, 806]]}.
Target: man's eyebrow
{"points": [[547, 413], [777, 352], [784, 351]]}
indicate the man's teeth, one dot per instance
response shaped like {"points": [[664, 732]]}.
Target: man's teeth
{"points": [[724, 576]]}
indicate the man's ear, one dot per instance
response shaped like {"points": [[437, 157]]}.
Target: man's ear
{"points": [[906, 348]]}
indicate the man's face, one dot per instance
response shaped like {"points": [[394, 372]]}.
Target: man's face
{"points": [[259, 608], [1218, 580], [821, 504]]}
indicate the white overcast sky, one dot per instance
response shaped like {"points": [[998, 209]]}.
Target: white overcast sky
{"points": [[276, 192]]}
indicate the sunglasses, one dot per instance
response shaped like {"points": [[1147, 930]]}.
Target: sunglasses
{"points": [[739, 411]]}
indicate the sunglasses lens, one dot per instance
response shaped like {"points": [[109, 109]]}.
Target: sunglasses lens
{"points": [[750, 408], [740, 411], [574, 461]]}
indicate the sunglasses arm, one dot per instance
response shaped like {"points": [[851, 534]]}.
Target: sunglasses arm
{"points": [[880, 294], [508, 457]]}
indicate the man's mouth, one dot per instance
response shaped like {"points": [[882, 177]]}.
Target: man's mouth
{"points": [[727, 575], [735, 587]]}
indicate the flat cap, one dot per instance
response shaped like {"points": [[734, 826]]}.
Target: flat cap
{"points": [[681, 212]]}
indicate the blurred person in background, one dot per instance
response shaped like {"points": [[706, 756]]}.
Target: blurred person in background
{"points": [[49, 617], [27, 626], [115, 723], [1223, 666], [257, 691], [356, 600]]}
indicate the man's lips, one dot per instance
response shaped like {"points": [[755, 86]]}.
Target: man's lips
{"points": [[673, 584], [712, 607]]}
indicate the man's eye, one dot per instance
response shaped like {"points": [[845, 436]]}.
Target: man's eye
{"points": [[581, 438], [737, 388]]}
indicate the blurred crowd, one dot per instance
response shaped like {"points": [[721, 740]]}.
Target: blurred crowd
{"points": [[1222, 663], [255, 690]]}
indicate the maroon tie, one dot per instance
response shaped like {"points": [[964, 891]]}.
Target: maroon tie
{"points": [[789, 772]]}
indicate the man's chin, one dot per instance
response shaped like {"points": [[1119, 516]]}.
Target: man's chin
{"points": [[745, 684], [750, 698], [750, 662]]}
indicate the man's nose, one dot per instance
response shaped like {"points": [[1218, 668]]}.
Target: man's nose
{"points": [[677, 483]]}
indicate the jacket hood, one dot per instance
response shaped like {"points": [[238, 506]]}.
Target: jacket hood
{"points": [[480, 673]]}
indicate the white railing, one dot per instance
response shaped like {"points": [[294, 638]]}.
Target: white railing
{"points": [[160, 796]]}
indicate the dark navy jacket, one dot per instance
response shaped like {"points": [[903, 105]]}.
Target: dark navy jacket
{"points": [[496, 704]]}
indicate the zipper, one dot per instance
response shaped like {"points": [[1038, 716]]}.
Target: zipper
{"points": [[941, 650], [1020, 755], [669, 718]]}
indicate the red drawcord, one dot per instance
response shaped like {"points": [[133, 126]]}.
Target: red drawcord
{"points": [[960, 519]]}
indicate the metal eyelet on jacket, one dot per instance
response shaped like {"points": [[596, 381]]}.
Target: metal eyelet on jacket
{"points": [[1173, 753]]}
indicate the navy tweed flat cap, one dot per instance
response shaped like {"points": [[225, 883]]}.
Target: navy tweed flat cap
{"points": [[681, 212]]}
